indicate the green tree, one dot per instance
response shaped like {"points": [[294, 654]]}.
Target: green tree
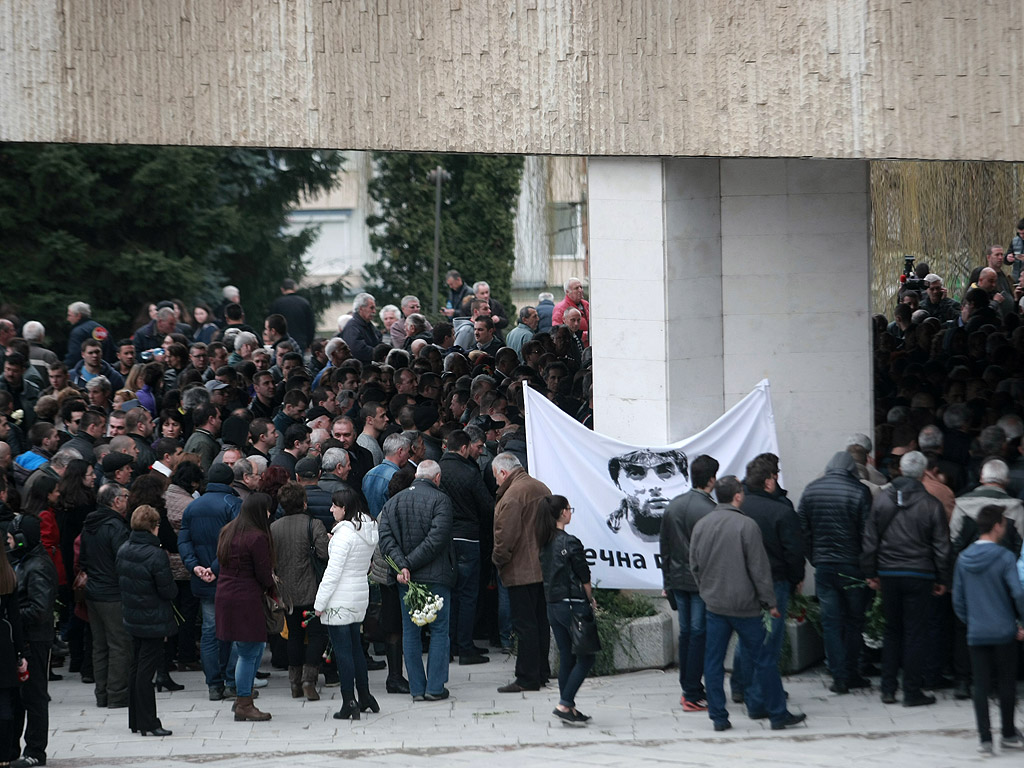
{"points": [[477, 223], [122, 226]]}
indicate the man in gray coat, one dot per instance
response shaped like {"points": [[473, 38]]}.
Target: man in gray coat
{"points": [[416, 533], [682, 514], [730, 566]]}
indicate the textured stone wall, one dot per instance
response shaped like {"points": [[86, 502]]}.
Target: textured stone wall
{"points": [[741, 78]]}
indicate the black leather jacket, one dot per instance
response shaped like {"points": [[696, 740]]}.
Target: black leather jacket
{"points": [[564, 567], [37, 591], [833, 510], [677, 525]]}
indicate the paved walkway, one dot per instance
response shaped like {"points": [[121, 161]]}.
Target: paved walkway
{"points": [[636, 717]]}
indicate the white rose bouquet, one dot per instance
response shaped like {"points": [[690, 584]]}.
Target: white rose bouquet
{"points": [[422, 605]]}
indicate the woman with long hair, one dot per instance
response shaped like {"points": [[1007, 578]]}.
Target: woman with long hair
{"points": [[297, 538], [186, 479], [567, 588], [11, 661], [204, 329], [147, 588], [148, 490], [245, 551], [77, 500], [43, 497], [344, 594], [271, 480]]}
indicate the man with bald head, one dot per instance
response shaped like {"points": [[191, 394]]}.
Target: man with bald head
{"points": [[988, 281], [574, 300]]}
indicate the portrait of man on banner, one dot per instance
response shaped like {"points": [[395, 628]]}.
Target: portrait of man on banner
{"points": [[650, 479]]}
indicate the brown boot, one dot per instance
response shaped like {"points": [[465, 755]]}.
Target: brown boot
{"points": [[245, 710], [309, 676], [295, 680]]}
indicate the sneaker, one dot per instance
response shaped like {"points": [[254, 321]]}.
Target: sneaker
{"points": [[260, 683], [27, 762], [568, 717], [696, 705], [580, 717], [985, 749], [1012, 742]]}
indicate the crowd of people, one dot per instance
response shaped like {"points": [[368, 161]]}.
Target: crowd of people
{"points": [[171, 494], [179, 489]]}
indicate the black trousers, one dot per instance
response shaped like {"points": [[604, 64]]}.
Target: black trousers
{"points": [[999, 663], [906, 604], [530, 620], [305, 646], [147, 657], [33, 714]]}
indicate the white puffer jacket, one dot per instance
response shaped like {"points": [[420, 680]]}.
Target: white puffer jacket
{"points": [[344, 591]]}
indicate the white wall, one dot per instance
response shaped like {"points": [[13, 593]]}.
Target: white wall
{"points": [[709, 275]]}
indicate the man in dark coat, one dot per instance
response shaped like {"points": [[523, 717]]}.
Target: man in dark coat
{"points": [[297, 311], [416, 532], [197, 544], [832, 513], [681, 515], [360, 333], [37, 593], [103, 533], [83, 327], [473, 507], [907, 555], [780, 533]]}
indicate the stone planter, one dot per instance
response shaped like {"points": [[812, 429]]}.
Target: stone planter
{"points": [[645, 643], [806, 646]]}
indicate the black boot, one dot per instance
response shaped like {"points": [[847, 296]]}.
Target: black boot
{"points": [[164, 683], [349, 710], [366, 701], [395, 682]]}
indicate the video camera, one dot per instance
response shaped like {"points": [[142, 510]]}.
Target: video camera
{"points": [[909, 280]]}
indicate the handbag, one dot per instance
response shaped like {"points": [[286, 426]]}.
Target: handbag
{"points": [[78, 587], [273, 614], [583, 633], [318, 564]]}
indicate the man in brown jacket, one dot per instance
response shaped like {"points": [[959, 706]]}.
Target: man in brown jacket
{"points": [[517, 558]]}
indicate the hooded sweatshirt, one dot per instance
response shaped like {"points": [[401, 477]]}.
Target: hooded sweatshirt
{"points": [[987, 595]]}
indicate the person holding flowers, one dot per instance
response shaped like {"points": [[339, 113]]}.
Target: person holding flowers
{"points": [[344, 594], [416, 535]]}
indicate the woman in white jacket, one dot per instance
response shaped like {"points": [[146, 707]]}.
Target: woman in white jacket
{"points": [[343, 596]]}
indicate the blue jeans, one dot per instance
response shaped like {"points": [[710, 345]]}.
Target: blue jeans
{"points": [[842, 617], [692, 630], [348, 655], [467, 586], [219, 658], [572, 669], [742, 680], [751, 636], [249, 657], [504, 615], [412, 645]]}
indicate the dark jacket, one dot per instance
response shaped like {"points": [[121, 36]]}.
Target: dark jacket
{"points": [[147, 586], [299, 316], [416, 532], [906, 534], [318, 506], [564, 567], [102, 536], [473, 505], [292, 536], [545, 309], [780, 531], [681, 515], [147, 457], [457, 297], [200, 527], [85, 444], [147, 337], [361, 337], [12, 640], [987, 594], [106, 369], [37, 593], [80, 331], [832, 513]]}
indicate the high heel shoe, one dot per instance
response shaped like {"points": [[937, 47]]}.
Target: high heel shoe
{"points": [[367, 703], [348, 711], [164, 682], [156, 732]]}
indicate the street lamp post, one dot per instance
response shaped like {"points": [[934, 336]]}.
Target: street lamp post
{"points": [[437, 177]]}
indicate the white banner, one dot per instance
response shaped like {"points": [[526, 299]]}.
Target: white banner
{"points": [[619, 491]]}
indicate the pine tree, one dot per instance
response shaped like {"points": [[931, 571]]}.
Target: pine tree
{"points": [[477, 223]]}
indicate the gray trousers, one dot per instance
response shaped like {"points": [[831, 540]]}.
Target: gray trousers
{"points": [[111, 653]]}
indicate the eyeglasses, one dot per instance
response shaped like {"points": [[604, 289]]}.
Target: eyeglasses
{"points": [[572, 510]]}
